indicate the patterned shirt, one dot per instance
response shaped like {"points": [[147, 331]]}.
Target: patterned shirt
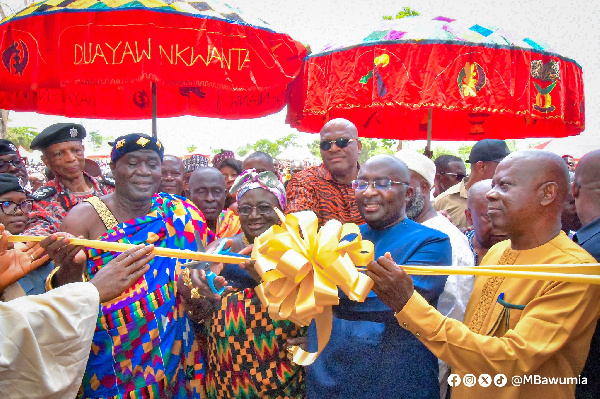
{"points": [[316, 190], [54, 200]]}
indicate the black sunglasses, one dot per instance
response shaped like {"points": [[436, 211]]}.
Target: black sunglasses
{"points": [[459, 176], [17, 162], [341, 143]]}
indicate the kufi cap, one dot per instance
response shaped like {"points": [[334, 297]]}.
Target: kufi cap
{"points": [[7, 147], [418, 163], [135, 142], [9, 183], [488, 150], [194, 162], [220, 157], [58, 133]]}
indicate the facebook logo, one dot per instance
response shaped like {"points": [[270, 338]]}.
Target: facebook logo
{"points": [[454, 380]]}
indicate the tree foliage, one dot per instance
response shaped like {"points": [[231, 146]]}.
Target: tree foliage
{"points": [[370, 147], [191, 148], [96, 140], [273, 148], [21, 136], [405, 12]]}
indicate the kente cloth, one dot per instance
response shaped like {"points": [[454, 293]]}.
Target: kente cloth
{"points": [[54, 200], [369, 355], [228, 224], [144, 346], [549, 337], [314, 189], [45, 342], [246, 349]]}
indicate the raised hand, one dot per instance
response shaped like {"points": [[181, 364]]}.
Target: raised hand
{"points": [[17, 261], [121, 272], [71, 258]]}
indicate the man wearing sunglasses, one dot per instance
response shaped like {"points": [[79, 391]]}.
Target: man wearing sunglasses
{"points": [[11, 162], [63, 153], [14, 215], [484, 157], [449, 170], [369, 355], [326, 189]]}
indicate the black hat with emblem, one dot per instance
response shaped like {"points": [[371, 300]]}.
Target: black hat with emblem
{"points": [[58, 133], [135, 142], [9, 183], [7, 147]]}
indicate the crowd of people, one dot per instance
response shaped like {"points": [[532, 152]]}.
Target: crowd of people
{"points": [[88, 323]]}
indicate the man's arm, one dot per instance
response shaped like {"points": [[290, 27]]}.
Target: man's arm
{"points": [[43, 220], [548, 322], [71, 259], [301, 196]]}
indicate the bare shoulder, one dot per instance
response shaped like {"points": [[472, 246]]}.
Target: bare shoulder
{"points": [[73, 221]]}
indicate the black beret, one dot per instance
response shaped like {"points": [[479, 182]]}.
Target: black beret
{"points": [[9, 183], [135, 142], [7, 147], [58, 133]]}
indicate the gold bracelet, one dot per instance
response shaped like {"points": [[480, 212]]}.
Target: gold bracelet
{"points": [[48, 284]]}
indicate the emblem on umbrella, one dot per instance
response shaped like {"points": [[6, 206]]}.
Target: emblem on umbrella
{"points": [[17, 53]]}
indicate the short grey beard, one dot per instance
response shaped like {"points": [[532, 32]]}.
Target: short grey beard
{"points": [[415, 205]]}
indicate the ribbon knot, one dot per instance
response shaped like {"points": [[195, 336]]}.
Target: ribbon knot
{"points": [[302, 268]]}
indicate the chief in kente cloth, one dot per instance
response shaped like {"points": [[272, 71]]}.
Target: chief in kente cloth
{"points": [[63, 153], [144, 346]]}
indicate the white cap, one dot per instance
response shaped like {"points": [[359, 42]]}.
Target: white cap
{"points": [[418, 163]]}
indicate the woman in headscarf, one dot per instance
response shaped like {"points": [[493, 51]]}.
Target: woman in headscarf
{"points": [[246, 349]]}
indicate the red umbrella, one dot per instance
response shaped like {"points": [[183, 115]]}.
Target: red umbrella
{"points": [[468, 81], [105, 59]]}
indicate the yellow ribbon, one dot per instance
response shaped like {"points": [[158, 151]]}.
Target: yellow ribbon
{"points": [[302, 268]]}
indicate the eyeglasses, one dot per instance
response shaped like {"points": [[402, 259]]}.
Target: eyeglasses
{"points": [[379, 184], [341, 143], [16, 162], [10, 207], [459, 176], [263, 209]]}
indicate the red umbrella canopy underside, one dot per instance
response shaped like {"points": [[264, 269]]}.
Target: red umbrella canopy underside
{"points": [[474, 91], [102, 63]]}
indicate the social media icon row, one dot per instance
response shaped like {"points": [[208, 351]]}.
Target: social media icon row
{"points": [[470, 380]]}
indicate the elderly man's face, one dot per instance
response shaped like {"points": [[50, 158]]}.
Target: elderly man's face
{"points": [[512, 199], [137, 175], [207, 192], [485, 234], [65, 159], [172, 176], [382, 207], [339, 161]]}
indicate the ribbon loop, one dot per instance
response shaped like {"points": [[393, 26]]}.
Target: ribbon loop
{"points": [[302, 268]]}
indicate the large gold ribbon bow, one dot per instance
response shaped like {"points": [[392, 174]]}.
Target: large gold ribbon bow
{"points": [[302, 268]]}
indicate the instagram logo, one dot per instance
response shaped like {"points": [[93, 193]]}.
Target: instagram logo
{"points": [[469, 380], [454, 380]]}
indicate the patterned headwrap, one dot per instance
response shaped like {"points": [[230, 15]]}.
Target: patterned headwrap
{"points": [[135, 142], [194, 162], [250, 180], [220, 157]]}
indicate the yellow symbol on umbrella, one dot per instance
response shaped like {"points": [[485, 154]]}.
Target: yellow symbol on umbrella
{"points": [[471, 79]]}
